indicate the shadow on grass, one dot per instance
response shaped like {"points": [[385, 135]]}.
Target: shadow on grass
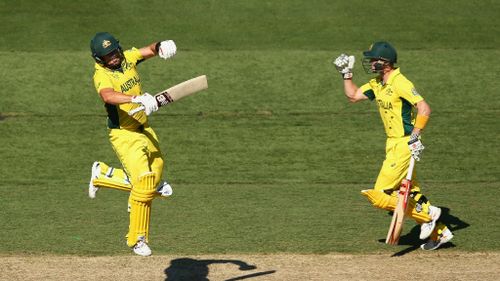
{"points": [[187, 269], [412, 238]]}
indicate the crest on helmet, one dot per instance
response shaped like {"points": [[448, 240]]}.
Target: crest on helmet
{"points": [[106, 43], [382, 52]]}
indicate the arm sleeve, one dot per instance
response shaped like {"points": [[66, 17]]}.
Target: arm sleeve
{"points": [[368, 91], [133, 56], [102, 81], [408, 92]]}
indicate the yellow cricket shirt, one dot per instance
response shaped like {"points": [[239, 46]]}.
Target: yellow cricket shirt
{"points": [[396, 100], [125, 80]]}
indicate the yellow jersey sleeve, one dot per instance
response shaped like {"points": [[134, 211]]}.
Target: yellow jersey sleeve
{"points": [[406, 90], [367, 90], [102, 81], [133, 56]]}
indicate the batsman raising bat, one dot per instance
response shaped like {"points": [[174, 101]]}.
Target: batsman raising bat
{"points": [[397, 100], [117, 81]]}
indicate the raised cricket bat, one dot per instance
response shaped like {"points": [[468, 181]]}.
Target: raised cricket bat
{"points": [[400, 211], [177, 92]]}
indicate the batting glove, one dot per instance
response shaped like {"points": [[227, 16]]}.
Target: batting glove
{"points": [[416, 146], [344, 65], [166, 49], [147, 101]]}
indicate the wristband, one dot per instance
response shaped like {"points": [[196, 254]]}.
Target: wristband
{"points": [[421, 121], [157, 47], [347, 76]]}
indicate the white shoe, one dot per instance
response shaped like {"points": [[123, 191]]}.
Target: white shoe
{"points": [[427, 228], [141, 247], [444, 237], [164, 189], [96, 170]]}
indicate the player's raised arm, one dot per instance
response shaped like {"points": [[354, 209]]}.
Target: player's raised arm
{"points": [[344, 65], [352, 92], [109, 96], [164, 49]]}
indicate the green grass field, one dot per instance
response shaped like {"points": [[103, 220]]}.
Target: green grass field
{"points": [[271, 158]]}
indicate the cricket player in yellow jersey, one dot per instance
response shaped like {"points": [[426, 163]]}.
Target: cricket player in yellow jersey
{"points": [[397, 100], [135, 143]]}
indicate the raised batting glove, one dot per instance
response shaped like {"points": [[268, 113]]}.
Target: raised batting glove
{"points": [[416, 146], [166, 49], [147, 101], [345, 64]]}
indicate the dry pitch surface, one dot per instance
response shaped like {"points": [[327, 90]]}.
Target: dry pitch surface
{"points": [[412, 266]]}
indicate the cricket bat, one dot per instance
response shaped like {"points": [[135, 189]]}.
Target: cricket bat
{"points": [[400, 211], [177, 92]]}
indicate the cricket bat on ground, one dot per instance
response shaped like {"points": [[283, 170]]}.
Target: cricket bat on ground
{"points": [[177, 92], [400, 211]]}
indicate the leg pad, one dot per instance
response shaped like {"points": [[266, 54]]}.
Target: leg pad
{"points": [[140, 201]]}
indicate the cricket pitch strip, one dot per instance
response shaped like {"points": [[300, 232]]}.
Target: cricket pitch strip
{"points": [[437, 265]]}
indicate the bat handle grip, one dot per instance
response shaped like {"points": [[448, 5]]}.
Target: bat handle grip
{"points": [[135, 110]]}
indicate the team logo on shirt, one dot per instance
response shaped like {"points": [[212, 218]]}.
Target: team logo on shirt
{"points": [[414, 92]]}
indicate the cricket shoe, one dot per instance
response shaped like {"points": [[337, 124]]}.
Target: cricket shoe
{"points": [[96, 170], [444, 237], [164, 189], [427, 228], [141, 247]]}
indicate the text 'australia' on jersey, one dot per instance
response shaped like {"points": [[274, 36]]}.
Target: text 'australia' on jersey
{"points": [[396, 100], [125, 80]]}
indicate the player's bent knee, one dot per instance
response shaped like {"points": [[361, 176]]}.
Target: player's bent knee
{"points": [[380, 199], [145, 190], [142, 196]]}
